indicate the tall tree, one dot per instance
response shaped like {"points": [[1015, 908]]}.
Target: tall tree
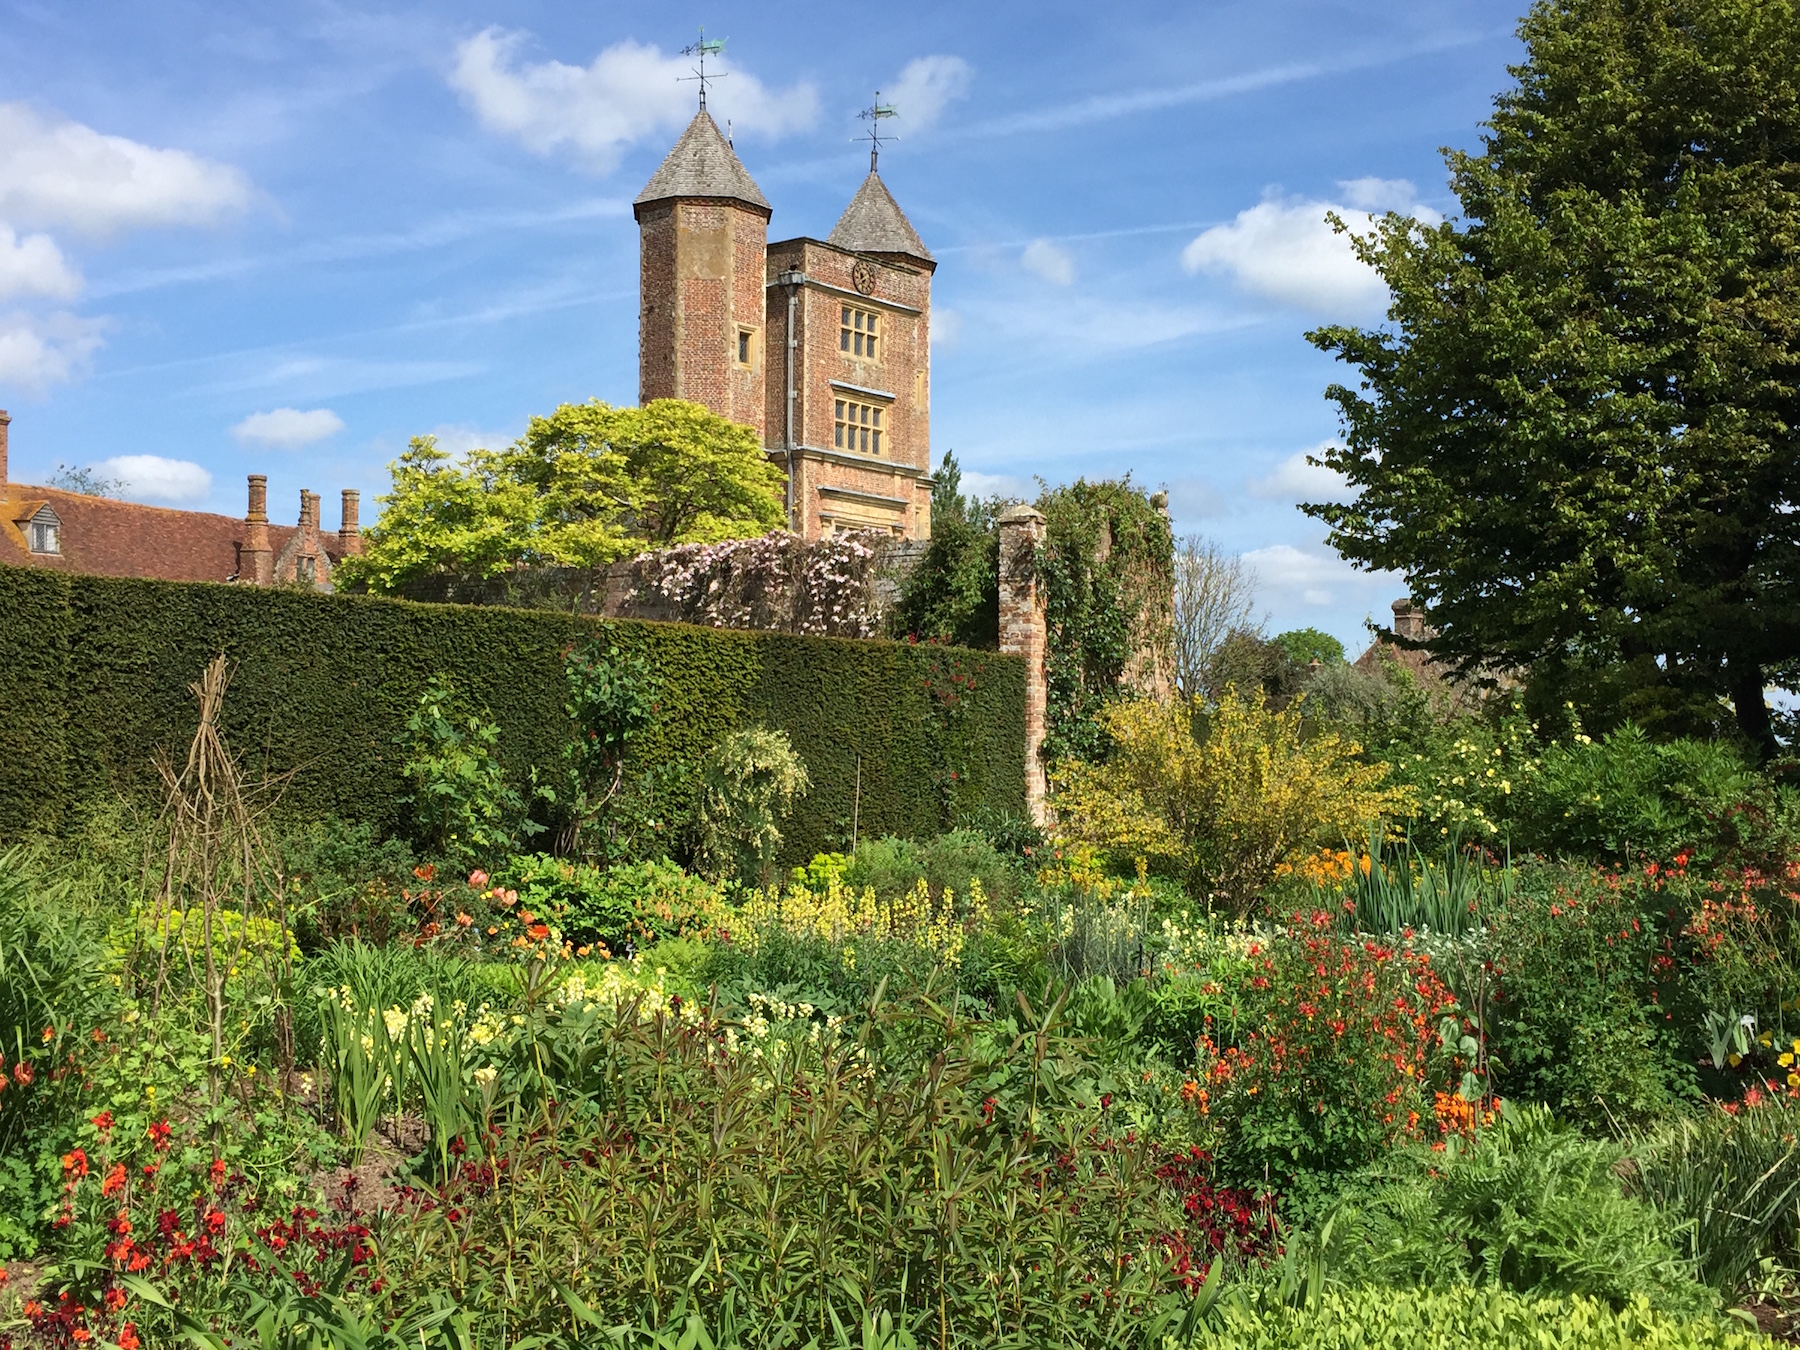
{"points": [[1215, 596], [583, 487], [1577, 435]]}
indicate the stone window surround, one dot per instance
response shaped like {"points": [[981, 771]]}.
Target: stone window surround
{"points": [[857, 324]]}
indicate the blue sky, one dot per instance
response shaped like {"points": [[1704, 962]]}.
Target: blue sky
{"points": [[286, 237]]}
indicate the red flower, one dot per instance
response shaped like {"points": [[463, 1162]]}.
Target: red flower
{"points": [[103, 1121]]}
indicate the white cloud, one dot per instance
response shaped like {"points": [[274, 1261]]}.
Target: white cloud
{"points": [[34, 265], [946, 326], [1287, 251], [1004, 485], [1294, 480], [1316, 578], [628, 93], [1047, 260], [39, 350], [1380, 194], [926, 87], [460, 438], [287, 428], [157, 479], [63, 173]]}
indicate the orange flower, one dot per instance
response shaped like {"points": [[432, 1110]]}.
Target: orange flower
{"points": [[115, 1180], [463, 920], [128, 1338]]}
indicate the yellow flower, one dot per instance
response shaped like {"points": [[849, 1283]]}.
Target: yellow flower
{"points": [[1763, 1039], [1794, 1080], [1784, 1060], [1734, 1060]]}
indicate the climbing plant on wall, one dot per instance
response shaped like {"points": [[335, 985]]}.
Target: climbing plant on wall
{"points": [[1107, 564]]}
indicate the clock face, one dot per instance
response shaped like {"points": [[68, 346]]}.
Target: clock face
{"points": [[863, 276]]}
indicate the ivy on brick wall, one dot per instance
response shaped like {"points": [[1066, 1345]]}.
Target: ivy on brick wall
{"points": [[94, 676], [1107, 564]]}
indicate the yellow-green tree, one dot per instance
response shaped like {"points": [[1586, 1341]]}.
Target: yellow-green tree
{"points": [[1227, 795], [583, 487]]}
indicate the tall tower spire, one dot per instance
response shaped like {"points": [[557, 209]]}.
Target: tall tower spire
{"points": [[702, 239]]}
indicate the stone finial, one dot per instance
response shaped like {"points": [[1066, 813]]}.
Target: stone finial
{"points": [[1024, 632]]}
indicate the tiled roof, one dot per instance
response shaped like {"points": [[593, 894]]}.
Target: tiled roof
{"points": [[702, 164], [874, 223], [111, 538]]}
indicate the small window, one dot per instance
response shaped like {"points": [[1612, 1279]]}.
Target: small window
{"points": [[309, 569], [743, 346], [857, 426], [857, 332], [46, 537]]}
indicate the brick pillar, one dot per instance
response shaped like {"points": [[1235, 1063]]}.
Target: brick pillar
{"points": [[350, 528], [257, 566], [1024, 632]]}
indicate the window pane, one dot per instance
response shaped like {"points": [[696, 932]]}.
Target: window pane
{"points": [[844, 340], [865, 414], [840, 410], [840, 436], [859, 344], [846, 316], [878, 442], [872, 319], [871, 346], [878, 417], [865, 442]]}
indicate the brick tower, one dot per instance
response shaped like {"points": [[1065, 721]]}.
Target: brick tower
{"points": [[850, 415], [702, 236]]}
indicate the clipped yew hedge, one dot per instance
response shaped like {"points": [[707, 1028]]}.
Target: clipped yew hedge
{"points": [[94, 676]]}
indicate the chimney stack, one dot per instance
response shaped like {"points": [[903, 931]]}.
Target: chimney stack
{"points": [[309, 512], [257, 566], [350, 530], [5, 421], [1409, 620]]}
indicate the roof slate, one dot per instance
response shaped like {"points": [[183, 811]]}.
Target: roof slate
{"points": [[874, 223], [702, 164]]}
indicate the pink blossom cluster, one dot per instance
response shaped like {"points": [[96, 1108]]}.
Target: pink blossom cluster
{"points": [[778, 582]]}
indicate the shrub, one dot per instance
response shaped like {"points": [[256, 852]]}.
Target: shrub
{"points": [[1227, 797], [1583, 1014], [610, 703], [895, 866], [1335, 1058], [460, 802], [621, 908], [1527, 1205], [749, 783], [1380, 1318]]}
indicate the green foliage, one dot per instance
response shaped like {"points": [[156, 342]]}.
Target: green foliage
{"points": [[325, 684], [1578, 427], [460, 804], [1302, 646], [1379, 1318], [892, 867], [748, 785], [1529, 1206], [611, 703], [582, 488], [1584, 1015], [952, 594], [1107, 568], [1393, 889], [946, 1179], [1729, 1182], [625, 907]]}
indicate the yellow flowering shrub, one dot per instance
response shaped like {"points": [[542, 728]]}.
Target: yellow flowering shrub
{"points": [[1229, 796]]}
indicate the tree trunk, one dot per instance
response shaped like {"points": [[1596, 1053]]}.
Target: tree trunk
{"points": [[1752, 711]]}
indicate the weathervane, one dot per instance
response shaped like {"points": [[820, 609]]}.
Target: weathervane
{"points": [[874, 114], [702, 49]]}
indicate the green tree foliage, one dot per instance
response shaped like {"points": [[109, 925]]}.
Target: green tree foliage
{"points": [[953, 595], [1303, 646], [1577, 437], [460, 802], [583, 487]]}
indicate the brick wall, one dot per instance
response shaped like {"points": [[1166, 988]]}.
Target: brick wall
{"points": [[1024, 632]]}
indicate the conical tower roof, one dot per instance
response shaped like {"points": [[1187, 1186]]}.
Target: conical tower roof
{"points": [[874, 223], [702, 164]]}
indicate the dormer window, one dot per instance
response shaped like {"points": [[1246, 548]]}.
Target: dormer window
{"points": [[44, 530]]}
